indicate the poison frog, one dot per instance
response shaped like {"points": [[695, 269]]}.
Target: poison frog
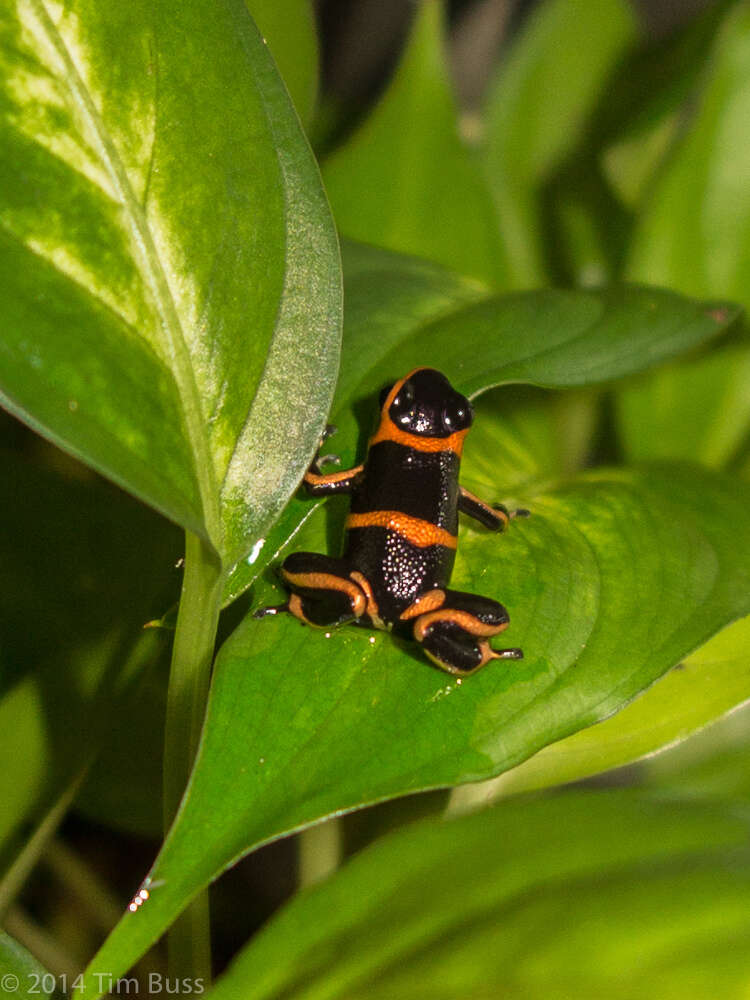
{"points": [[401, 533]]}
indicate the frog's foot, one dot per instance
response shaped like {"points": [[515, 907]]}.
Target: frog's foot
{"points": [[323, 593], [455, 633]]}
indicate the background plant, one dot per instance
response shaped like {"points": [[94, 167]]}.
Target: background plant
{"points": [[172, 293]]}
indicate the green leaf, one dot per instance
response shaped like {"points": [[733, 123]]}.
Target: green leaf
{"points": [[649, 101], [539, 899], [714, 763], [698, 691], [288, 27], [405, 181], [693, 250], [696, 250], [402, 313], [545, 90], [693, 409], [20, 973], [614, 578], [28, 757], [76, 594], [169, 274]]}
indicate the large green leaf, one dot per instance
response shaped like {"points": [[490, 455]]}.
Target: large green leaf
{"points": [[404, 180], [613, 580], [402, 313], [538, 899], [693, 409], [699, 690], [169, 274], [288, 27], [546, 88]]}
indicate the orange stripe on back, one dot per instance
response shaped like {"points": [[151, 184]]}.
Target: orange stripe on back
{"points": [[413, 529]]}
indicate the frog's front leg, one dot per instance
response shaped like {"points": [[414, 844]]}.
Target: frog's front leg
{"points": [[323, 592], [319, 483], [454, 629]]}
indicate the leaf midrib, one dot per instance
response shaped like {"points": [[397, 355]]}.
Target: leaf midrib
{"points": [[148, 262]]}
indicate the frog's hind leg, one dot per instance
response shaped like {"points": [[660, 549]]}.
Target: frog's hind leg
{"points": [[455, 634], [323, 594]]}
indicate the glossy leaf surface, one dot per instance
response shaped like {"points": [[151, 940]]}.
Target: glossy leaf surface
{"points": [[536, 899], [699, 690], [154, 255], [404, 180], [613, 579]]}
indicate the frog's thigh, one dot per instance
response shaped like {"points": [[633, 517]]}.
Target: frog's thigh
{"points": [[455, 635], [322, 591]]}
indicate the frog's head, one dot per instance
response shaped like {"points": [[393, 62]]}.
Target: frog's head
{"points": [[426, 404]]}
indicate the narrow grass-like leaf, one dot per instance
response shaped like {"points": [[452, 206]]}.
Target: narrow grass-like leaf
{"points": [[614, 579], [20, 973], [546, 87], [154, 256], [404, 180], [691, 251], [674, 244], [649, 101], [77, 592], [537, 899]]}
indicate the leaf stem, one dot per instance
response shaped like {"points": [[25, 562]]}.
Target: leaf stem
{"points": [[320, 851], [192, 655]]}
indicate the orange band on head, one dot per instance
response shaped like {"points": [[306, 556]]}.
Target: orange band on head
{"points": [[387, 430], [413, 529]]}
